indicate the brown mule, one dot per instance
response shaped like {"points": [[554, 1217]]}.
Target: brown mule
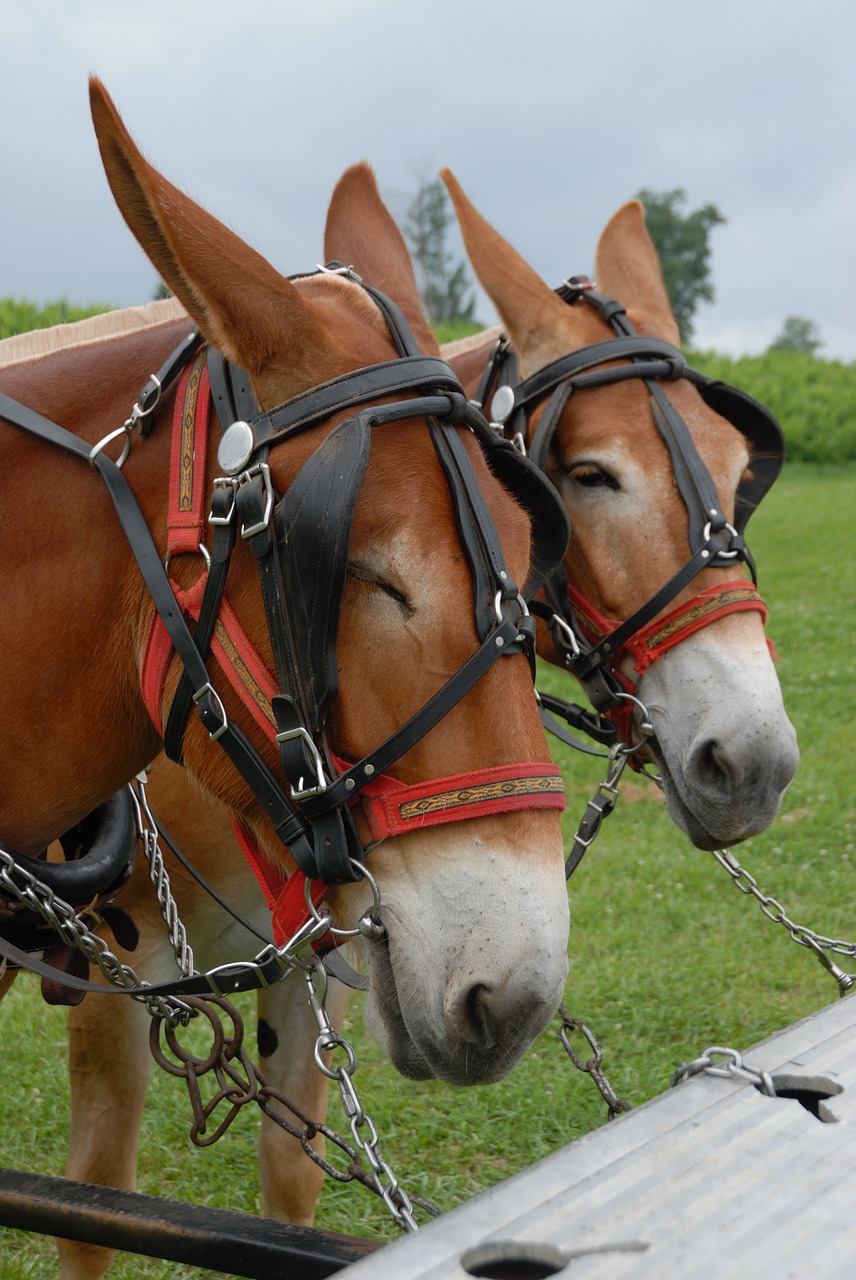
{"points": [[449, 996]]}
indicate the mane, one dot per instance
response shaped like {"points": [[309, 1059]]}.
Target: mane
{"points": [[462, 345], [112, 324]]}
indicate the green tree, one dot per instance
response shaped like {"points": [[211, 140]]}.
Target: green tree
{"points": [[682, 242], [19, 315], [798, 334], [443, 283]]}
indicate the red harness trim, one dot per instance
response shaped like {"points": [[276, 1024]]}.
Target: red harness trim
{"points": [[391, 807], [663, 633]]}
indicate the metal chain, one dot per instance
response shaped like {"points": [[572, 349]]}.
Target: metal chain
{"points": [[72, 928], [239, 1081], [329, 1040], [592, 1066], [817, 943], [147, 831], [733, 1065]]}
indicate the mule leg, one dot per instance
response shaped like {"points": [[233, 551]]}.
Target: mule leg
{"points": [[290, 1181], [106, 1109]]}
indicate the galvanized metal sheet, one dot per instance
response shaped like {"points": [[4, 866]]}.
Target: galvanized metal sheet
{"points": [[709, 1180]]}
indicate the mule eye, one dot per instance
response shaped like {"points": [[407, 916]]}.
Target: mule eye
{"points": [[368, 579], [591, 476]]}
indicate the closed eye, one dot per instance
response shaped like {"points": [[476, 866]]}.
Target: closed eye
{"points": [[591, 476], [358, 573]]}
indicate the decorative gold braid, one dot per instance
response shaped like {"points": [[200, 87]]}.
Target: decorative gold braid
{"points": [[737, 596], [244, 673], [188, 420], [483, 791]]}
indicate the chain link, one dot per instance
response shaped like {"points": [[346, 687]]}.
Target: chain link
{"points": [[732, 1065], [329, 1040], [592, 1066], [72, 927], [147, 831], [815, 942]]}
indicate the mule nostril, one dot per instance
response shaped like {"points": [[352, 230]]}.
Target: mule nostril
{"points": [[715, 767], [470, 1015], [477, 1003]]}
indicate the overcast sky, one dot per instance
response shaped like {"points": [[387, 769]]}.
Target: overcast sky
{"points": [[552, 113]]}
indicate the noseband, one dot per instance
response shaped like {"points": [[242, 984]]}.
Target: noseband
{"points": [[300, 540], [592, 646]]}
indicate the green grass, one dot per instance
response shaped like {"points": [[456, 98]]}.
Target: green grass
{"points": [[667, 957]]}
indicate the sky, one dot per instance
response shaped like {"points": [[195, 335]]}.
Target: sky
{"points": [[552, 113]]}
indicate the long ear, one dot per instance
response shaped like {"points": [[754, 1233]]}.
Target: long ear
{"points": [[627, 268], [535, 319], [361, 233], [241, 304]]}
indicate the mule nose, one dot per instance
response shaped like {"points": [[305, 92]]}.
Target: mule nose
{"points": [[480, 1012], [726, 768]]}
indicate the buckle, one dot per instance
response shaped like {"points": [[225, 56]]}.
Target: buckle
{"points": [[300, 792]]}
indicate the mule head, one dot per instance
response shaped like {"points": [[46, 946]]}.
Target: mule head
{"points": [[722, 741], [462, 982]]}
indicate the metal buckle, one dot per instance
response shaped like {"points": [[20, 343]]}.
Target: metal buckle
{"points": [[197, 698], [567, 632], [262, 469], [224, 482], [300, 792]]}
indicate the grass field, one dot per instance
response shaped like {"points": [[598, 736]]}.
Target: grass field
{"points": [[667, 957]]}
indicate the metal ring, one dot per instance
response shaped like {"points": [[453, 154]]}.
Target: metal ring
{"points": [[126, 429], [371, 913], [723, 555]]}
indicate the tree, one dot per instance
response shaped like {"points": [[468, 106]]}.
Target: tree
{"points": [[681, 240], [798, 334], [444, 284]]}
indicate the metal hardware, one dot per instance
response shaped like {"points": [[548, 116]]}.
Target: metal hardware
{"points": [[126, 429], [377, 931], [203, 551], [349, 272], [502, 404], [197, 698], [733, 1066], [236, 448], [300, 792], [722, 555], [568, 634], [262, 469], [224, 482]]}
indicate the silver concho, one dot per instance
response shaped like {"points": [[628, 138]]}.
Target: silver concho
{"points": [[502, 404], [236, 448]]}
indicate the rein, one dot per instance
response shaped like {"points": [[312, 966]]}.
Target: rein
{"points": [[300, 540], [592, 646]]}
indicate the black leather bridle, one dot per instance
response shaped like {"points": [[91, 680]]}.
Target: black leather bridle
{"points": [[713, 541], [300, 540]]}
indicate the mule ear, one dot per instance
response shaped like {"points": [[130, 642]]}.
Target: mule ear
{"points": [[627, 268], [361, 233], [240, 303], [531, 313]]}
